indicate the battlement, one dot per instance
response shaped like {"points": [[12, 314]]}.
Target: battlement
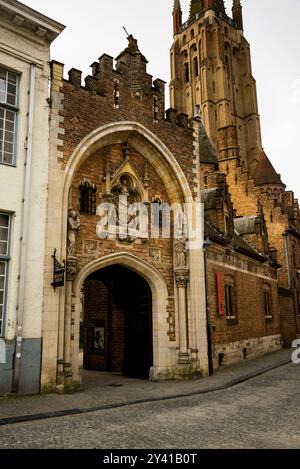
{"points": [[120, 85], [126, 79]]}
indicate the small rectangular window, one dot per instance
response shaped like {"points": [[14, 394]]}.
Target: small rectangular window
{"points": [[229, 302], [8, 116], [268, 304], [4, 260], [88, 198]]}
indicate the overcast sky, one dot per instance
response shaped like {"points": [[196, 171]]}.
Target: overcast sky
{"points": [[272, 27]]}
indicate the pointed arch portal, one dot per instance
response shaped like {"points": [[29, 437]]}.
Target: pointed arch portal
{"points": [[117, 322], [134, 331]]}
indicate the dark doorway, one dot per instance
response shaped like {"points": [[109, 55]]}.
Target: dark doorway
{"points": [[117, 329]]}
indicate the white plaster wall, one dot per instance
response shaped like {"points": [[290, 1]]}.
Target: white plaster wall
{"points": [[17, 52]]}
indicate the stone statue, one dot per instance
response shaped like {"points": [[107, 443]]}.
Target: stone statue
{"points": [[132, 43], [180, 253], [73, 228]]}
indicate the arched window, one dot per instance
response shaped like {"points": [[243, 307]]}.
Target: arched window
{"points": [[227, 65], [186, 72], [184, 39], [267, 295], [235, 53], [200, 51], [295, 256], [192, 34], [196, 68], [227, 47]]}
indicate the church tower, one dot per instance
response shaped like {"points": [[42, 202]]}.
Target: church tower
{"points": [[211, 76]]}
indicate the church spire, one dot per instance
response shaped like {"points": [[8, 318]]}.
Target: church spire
{"points": [[177, 17], [195, 7], [237, 14], [217, 5]]}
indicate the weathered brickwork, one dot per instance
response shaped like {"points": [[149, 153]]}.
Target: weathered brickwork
{"points": [[86, 109], [99, 309], [249, 279], [95, 312], [281, 213], [290, 319]]}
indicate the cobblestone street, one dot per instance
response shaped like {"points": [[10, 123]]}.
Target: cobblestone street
{"points": [[263, 412]]}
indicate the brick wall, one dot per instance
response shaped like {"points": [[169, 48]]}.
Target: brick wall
{"points": [[88, 108], [95, 313], [288, 319], [249, 281], [100, 312]]}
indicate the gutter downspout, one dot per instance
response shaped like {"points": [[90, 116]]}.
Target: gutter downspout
{"points": [[206, 244], [24, 235]]}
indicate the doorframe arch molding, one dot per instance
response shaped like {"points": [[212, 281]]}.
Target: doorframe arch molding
{"points": [[144, 141], [163, 355], [56, 358]]}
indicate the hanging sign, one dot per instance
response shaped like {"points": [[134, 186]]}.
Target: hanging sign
{"points": [[58, 272]]}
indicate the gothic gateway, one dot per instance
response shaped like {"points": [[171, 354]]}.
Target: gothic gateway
{"points": [[155, 305]]}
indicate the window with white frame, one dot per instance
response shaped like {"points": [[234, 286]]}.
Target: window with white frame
{"points": [[8, 116], [4, 260]]}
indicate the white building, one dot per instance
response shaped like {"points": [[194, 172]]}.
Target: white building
{"points": [[25, 38]]}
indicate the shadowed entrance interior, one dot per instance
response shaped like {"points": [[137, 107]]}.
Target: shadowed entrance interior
{"points": [[117, 323]]}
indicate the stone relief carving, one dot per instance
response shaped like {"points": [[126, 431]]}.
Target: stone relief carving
{"points": [[90, 247], [73, 228], [155, 255], [182, 277], [124, 189], [180, 252], [71, 268]]}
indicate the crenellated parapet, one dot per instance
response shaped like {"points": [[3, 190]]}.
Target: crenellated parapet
{"points": [[125, 80]]}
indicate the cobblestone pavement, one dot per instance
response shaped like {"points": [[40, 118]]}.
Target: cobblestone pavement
{"points": [[263, 412], [111, 389]]}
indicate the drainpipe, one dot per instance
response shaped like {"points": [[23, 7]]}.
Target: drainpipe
{"points": [[24, 232], [206, 245]]}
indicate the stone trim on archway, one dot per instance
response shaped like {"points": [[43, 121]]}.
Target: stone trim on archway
{"points": [[59, 359], [144, 141]]}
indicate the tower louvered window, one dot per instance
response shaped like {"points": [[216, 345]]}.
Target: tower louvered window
{"points": [[88, 196]]}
